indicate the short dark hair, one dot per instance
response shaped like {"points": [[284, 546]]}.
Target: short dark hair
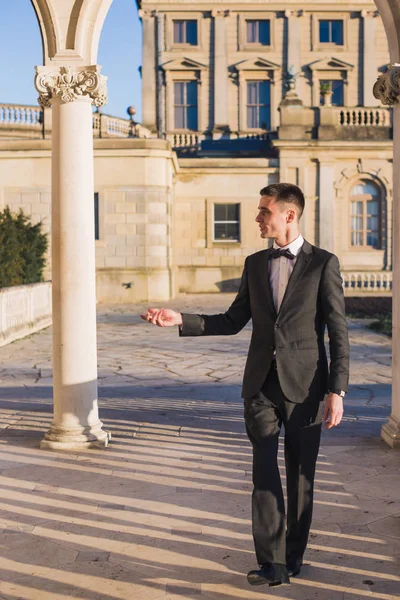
{"points": [[286, 192]]}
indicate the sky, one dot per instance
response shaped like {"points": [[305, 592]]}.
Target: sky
{"points": [[119, 54]]}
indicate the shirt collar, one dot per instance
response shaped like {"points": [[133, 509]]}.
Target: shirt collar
{"points": [[294, 246]]}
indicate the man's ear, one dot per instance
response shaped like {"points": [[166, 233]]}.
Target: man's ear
{"points": [[291, 216]]}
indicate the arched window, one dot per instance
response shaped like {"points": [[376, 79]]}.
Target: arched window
{"points": [[365, 215]]}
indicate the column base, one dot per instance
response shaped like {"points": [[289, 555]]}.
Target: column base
{"points": [[390, 432], [60, 438]]}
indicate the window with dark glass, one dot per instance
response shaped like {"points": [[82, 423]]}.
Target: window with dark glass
{"points": [[258, 32], [331, 31], [337, 88], [185, 105], [96, 216], [365, 215], [185, 32], [258, 105], [227, 222]]}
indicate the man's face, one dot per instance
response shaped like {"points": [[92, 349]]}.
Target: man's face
{"points": [[272, 217]]}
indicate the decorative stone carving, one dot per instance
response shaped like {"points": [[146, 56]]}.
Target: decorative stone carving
{"points": [[70, 83], [387, 86], [220, 13]]}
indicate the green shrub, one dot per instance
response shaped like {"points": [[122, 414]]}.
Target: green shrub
{"points": [[23, 248], [383, 324]]}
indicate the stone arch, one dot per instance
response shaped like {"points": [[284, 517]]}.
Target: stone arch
{"points": [[71, 31], [389, 10]]}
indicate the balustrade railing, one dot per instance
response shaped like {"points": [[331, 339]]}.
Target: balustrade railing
{"points": [[16, 117], [367, 281], [29, 120], [185, 140], [110, 127], [364, 117]]}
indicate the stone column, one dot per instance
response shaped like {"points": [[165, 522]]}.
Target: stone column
{"points": [[326, 205], [160, 75], [221, 116], [387, 89], [71, 91], [149, 113], [294, 46], [370, 66]]}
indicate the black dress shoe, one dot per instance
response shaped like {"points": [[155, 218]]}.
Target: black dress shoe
{"points": [[294, 566], [269, 574]]}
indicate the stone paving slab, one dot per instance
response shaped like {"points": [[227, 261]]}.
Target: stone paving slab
{"points": [[164, 512]]}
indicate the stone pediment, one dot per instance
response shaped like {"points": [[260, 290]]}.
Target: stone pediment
{"points": [[183, 64], [256, 64], [330, 64]]}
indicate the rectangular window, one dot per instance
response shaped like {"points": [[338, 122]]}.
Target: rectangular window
{"points": [[227, 222], [96, 216], [337, 88], [185, 32], [258, 32], [185, 105], [331, 31], [259, 105]]}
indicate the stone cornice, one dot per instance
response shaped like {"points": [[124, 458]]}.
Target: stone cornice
{"points": [[70, 83]]}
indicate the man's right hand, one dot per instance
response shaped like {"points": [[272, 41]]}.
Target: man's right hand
{"points": [[163, 317]]}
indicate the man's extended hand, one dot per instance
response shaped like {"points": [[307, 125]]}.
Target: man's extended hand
{"points": [[163, 317], [333, 411]]}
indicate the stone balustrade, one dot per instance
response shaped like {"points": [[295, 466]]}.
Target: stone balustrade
{"points": [[105, 126], [27, 121], [21, 121], [24, 309], [360, 283], [363, 117], [354, 123], [185, 140]]}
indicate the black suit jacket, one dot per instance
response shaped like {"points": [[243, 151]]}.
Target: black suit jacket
{"points": [[313, 299]]}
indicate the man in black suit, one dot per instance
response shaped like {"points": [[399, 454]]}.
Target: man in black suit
{"points": [[291, 291]]}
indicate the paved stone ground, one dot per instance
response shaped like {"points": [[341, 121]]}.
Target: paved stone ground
{"points": [[164, 512]]}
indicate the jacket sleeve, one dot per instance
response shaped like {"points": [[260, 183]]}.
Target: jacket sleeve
{"points": [[333, 307], [228, 323]]}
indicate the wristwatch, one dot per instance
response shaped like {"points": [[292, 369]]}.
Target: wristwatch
{"points": [[340, 393]]}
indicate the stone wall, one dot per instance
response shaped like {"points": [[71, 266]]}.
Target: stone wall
{"points": [[24, 309]]}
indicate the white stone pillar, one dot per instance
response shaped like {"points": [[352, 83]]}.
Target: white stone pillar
{"points": [[326, 205], [71, 91], [370, 66], [387, 89], [149, 113], [294, 46], [221, 116]]}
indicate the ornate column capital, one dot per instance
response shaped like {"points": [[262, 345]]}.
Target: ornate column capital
{"points": [[70, 83], [387, 86]]}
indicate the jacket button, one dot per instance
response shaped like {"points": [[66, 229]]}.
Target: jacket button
{"points": [[277, 325]]}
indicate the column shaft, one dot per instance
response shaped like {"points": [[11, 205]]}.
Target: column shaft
{"points": [[149, 118], [369, 60], [391, 430], [326, 206], [221, 118], [294, 48]]}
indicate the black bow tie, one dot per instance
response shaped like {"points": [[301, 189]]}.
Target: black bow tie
{"points": [[278, 252]]}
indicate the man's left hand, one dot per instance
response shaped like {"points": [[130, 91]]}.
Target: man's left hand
{"points": [[333, 411]]}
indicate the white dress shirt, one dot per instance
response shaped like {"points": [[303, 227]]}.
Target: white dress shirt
{"points": [[280, 269]]}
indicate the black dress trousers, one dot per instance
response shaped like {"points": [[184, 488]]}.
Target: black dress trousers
{"points": [[275, 541]]}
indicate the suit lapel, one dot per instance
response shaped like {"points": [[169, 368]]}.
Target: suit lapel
{"points": [[299, 269], [267, 283]]}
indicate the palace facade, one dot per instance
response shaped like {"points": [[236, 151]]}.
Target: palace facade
{"points": [[235, 96]]}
